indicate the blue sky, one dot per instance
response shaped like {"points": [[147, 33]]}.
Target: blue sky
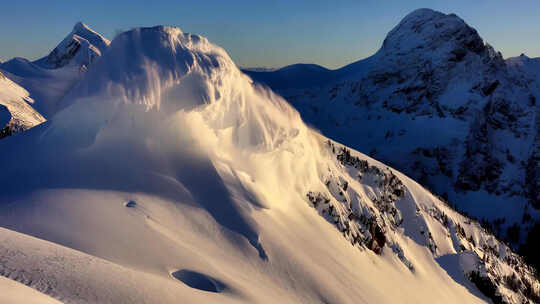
{"points": [[265, 33]]}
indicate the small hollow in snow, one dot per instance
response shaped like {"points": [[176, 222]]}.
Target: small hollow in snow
{"points": [[199, 280], [130, 204]]}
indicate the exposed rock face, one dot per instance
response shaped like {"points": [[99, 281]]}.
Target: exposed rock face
{"points": [[372, 223], [361, 225]]}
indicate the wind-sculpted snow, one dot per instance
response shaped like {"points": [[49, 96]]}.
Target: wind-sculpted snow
{"points": [[173, 71], [166, 163]]}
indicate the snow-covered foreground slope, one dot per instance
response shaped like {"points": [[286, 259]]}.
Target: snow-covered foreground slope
{"points": [[442, 106], [16, 114], [170, 177], [13, 293], [48, 79]]}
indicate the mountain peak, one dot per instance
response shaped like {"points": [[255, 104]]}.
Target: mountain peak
{"points": [[136, 58], [163, 70], [80, 47], [425, 29], [79, 25], [423, 13], [89, 34]]}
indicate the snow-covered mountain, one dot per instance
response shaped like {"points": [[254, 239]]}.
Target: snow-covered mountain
{"points": [[170, 176], [16, 114], [51, 77], [441, 105], [81, 48]]}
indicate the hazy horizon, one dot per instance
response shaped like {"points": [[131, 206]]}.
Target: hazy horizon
{"points": [[272, 34]]}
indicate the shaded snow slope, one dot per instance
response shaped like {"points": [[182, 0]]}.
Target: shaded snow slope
{"points": [[169, 176], [16, 113], [525, 67], [5, 115], [442, 106]]}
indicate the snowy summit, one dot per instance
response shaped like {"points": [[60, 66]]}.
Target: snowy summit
{"points": [[81, 47]]}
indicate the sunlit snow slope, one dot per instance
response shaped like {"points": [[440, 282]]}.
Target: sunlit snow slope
{"points": [[16, 113], [170, 177]]}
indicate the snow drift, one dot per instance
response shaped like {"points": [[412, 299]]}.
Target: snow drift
{"points": [[169, 176]]}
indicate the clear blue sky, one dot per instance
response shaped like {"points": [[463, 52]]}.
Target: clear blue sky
{"points": [[265, 33]]}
